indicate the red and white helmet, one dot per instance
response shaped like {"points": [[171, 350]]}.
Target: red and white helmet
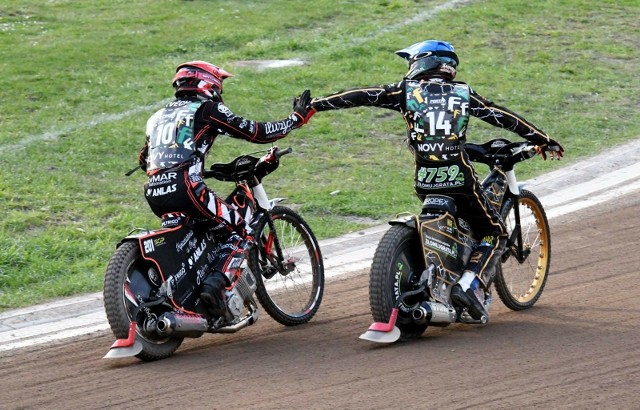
{"points": [[199, 78]]}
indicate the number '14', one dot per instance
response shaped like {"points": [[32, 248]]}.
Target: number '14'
{"points": [[438, 123]]}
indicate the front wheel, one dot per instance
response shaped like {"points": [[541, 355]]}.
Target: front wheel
{"points": [[519, 284], [396, 268], [128, 281], [288, 267]]}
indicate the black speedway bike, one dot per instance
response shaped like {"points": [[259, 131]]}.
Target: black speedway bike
{"points": [[151, 284], [421, 257]]}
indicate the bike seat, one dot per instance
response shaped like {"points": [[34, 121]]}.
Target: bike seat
{"points": [[237, 170]]}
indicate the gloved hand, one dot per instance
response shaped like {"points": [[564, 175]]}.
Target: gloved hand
{"points": [[554, 148], [302, 106], [268, 162]]}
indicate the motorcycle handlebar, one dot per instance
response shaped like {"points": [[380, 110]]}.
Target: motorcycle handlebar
{"points": [[283, 152], [501, 151], [247, 167]]}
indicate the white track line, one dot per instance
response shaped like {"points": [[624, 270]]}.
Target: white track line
{"points": [[585, 202], [55, 134]]}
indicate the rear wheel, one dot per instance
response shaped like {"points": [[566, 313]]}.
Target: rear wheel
{"points": [[128, 281], [396, 268], [520, 284], [288, 267]]}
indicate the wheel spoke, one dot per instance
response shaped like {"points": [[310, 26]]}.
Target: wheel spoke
{"points": [[519, 285], [293, 296]]}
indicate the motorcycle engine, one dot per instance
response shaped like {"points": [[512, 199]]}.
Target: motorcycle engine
{"points": [[243, 290]]}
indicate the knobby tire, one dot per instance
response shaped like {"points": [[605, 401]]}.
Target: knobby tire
{"points": [[127, 262], [289, 297], [520, 285], [397, 264]]}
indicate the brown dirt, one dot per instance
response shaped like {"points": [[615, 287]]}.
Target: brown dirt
{"points": [[577, 348]]}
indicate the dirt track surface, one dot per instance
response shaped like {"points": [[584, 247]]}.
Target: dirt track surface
{"points": [[577, 348]]}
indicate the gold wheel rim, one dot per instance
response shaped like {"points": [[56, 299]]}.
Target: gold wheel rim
{"points": [[535, 238]]}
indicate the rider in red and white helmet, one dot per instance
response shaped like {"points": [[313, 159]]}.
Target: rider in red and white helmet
{"points": [[200, 78], [179, 136]]}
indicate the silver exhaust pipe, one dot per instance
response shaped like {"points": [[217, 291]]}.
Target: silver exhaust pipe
{"points": [[434, 312], [249, 319], [181, 325]]}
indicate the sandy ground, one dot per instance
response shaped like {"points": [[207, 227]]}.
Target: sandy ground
{"points": [[577, 348]]}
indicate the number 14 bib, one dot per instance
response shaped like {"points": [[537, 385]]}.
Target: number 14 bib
{"points": [[437, 115]]}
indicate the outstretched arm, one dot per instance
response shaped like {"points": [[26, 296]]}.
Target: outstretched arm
{"points": [[384, 96], [498, 116], [220, 116]]}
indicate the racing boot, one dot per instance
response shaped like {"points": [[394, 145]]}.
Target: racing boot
{"points": [[219, 301], [468, 293], [212, 293]]}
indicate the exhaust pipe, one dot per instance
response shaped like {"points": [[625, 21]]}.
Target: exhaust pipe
{"points": [[248, 320], [177, 324], [434, 312]]}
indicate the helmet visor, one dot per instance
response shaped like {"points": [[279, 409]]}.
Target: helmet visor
{"points": [[430, 63]]}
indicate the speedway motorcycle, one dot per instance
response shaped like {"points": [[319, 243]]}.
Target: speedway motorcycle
{"points": [[152, 281], [421, 257]]}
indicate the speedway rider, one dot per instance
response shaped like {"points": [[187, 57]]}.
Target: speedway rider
{"points": [[179, 136], [436, 110]]}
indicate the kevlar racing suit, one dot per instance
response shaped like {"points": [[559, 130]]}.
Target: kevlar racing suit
{"points": [[179, 137], [436, 112]]}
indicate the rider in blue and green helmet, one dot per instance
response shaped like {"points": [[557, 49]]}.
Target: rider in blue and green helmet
{"points": [[431, 57], [436, 110]]}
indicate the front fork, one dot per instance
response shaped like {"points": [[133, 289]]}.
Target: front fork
{"points": [[515, 244], [273, 250]]}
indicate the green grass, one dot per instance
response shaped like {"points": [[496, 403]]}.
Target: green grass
{"points": [[78, 80]]}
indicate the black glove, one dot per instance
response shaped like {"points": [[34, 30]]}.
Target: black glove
{"points": [[268, 162], [302, 106], [554, 148]]}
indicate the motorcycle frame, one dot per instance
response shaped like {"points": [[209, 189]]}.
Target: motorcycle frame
{"points": [[501, 162], [506, 172], [264, 205]]}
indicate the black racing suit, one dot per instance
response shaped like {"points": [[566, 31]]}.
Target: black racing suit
{"points": [[436, 112], [179, 137]]}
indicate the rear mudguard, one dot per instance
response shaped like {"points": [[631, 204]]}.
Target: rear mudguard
{"points": [[409, 220], [181, 256], [135, 235]]}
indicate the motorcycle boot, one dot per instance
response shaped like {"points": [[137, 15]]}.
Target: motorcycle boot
{"points": [[212, 293], [468, 293], [219, 301]]}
